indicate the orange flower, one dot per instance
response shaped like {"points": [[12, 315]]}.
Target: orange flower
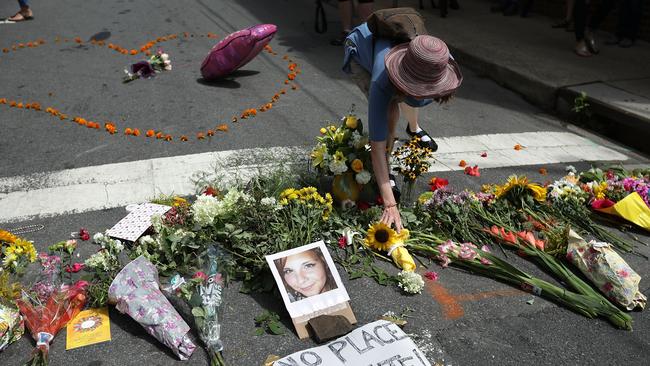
{"points": [[63, 116], [542, 171], [143, 48], [294, 87], [292, 66], [168, 137], [462, 163], [12, 103], [78, 40], [159, 135], [200, 136], [234, 119], [3, 101], [125, 52], [36, 106], [148, 53], [111, 46], [128, 131], [282, 91], [210, 133], [19, 105], [136, 132], [222, 127], [291, 76], [183, 138], [150, 133], [518, 147], [21, 45], [5, 50], [30, 44], [134, 52], [286, 82]]}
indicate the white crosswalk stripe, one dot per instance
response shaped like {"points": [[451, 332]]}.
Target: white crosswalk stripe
{"points": [[114, 185]]}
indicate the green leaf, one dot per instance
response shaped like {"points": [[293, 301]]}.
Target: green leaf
{"points": [[259, 331], [198, 312], [276, 328]]}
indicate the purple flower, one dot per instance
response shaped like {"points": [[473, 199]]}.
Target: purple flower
{"points": [[143, 68]]}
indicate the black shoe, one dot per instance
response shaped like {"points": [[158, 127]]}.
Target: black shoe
{"points": [[431, 144], [340, 40], [590, 42]]}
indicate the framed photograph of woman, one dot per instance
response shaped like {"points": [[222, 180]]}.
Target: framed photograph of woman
{"points": [[308, 280]]}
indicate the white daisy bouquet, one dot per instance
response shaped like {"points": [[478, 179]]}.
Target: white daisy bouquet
{"points": [[343, 149]]}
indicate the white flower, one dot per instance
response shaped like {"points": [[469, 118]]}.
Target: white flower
{"points": [[156, 222], [349, 235], [98, 237], [410, 282], [205, 210], [164, 57], [168, 67], [363, 177], [338, 166]]}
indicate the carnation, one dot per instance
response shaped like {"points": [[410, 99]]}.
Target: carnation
{"points": [[338, 167], [363, 177], [410, 282], [205, 210]]}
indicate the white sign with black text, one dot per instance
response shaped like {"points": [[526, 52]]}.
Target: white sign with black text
{"points": [[380, 343]]}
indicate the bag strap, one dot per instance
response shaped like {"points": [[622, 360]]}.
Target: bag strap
{"points": [[320, 23]]}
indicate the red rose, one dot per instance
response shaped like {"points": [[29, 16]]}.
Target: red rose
{"points": [[76, 267], [363, 205]]}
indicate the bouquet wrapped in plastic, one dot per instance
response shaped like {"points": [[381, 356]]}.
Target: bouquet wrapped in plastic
{"points": [[12, 326], [607, 271], [204, 295], [46, 314], [135, 291]]}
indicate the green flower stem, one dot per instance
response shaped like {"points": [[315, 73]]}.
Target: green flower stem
{"points": [[589, 306]]}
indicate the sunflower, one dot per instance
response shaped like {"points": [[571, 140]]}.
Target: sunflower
{"points": [[539, 192], [513, 181], [7, 237], [382, 237]]}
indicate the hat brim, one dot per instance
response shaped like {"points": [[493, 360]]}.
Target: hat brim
{"points": [[449, 81]]}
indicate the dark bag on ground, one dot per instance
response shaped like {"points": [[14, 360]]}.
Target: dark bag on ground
{"points": [[397, 24]]}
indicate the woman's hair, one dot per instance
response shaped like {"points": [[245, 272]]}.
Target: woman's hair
{"points": [[330, 284]]}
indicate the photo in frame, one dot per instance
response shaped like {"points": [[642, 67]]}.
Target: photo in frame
{"points": [[309, 284]]}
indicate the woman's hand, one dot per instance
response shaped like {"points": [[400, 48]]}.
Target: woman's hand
{"points": [[391, 216]]}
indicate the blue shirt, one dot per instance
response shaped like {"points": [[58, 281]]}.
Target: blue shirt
{"points": [[359, 47]]}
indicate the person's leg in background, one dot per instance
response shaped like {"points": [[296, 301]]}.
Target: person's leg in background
{"points": [[25, 13], [364, 9], [603, 9], [630, 13], [580, 23]]}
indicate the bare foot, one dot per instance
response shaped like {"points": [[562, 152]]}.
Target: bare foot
{"points": [[23, 14]]}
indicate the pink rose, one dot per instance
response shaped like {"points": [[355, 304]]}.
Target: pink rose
{"points": [[76, 267], [200, 275], [432, 276]]}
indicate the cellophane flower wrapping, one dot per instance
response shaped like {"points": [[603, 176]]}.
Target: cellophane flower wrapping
{"points": [[12, 326], [135, 291], [44, 317], [204, 295], [607, 271]]}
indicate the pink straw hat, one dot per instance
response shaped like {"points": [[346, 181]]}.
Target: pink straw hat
{"points": [[423, 68]]}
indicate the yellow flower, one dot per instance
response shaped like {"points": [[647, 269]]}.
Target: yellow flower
{"points": [[357, 165], [513, 181], [599, 190], [539, 192], [318, 155], [382, 237], [179, 201], [351, 122], [323, 131], [332, 128], [7, 237], [339, 157]]}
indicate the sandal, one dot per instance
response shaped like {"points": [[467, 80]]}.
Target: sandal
{"points": [[20, 17], [583, 51], [431, 144]]}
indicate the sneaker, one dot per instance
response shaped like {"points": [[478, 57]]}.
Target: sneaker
{"points": [[425, 139], [340, 40]]}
